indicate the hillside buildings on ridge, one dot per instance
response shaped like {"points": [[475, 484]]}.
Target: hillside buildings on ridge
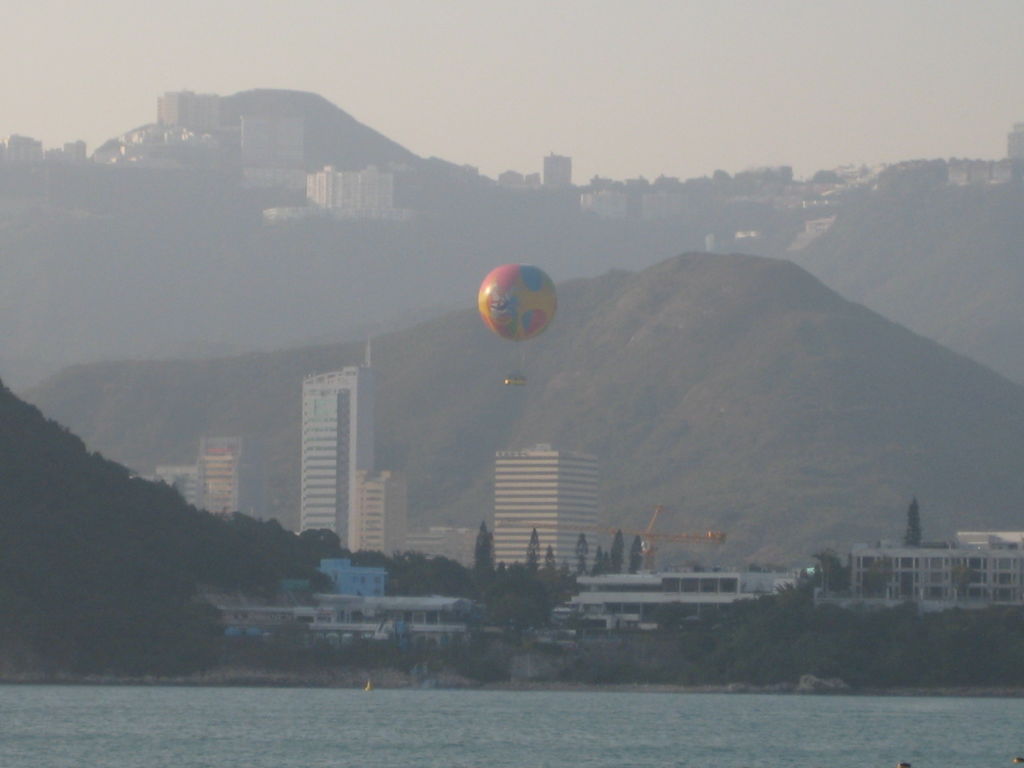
{"points": [[365, 194], [185, 109]]}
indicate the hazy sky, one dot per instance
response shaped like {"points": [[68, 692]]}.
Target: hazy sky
{"points": [[625, 88]]}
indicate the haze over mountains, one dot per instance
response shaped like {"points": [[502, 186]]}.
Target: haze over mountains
{"points": [[737, 390], [104, 262]]}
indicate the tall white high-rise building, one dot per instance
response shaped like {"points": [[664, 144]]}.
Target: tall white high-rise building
{"points": [[544, 488], [337, 442], [379, 518]]}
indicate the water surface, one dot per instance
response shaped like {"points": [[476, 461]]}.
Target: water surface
{"points": [[125, 727]]}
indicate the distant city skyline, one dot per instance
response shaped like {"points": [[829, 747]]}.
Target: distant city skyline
{"points": [[647, 88]]}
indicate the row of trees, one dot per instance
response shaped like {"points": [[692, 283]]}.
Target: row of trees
{"points": [[610, 561]]}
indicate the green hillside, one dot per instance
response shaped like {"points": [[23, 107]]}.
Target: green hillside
{"points": [[947, 262], [99, 571], [736, 390]]}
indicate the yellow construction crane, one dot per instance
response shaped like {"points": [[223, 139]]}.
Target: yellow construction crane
{"points": [[648, 536]]}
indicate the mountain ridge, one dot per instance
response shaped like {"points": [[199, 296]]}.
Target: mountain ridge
{"points": [[737, 390]]}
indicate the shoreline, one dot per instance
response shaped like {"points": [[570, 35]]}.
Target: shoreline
{"points": [[386, 679]]}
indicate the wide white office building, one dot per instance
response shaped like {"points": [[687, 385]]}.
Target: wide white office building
{"points": [[337, 442], [551, 490]]}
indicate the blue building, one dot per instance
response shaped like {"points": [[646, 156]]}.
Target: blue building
{"points": [[351, 579]]}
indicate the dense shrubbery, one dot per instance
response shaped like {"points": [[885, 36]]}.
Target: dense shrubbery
{"points": [[776, 639], [779, 638]]}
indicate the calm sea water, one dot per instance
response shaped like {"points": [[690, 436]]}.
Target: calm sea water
{"points": [[115, 727]]}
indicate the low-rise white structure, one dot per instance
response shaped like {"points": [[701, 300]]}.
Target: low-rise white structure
{"points": [[433, 619], [344, 618], [978, 568], [631, 600]]}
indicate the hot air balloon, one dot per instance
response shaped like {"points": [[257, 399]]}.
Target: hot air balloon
{"points": [[517, 302]]}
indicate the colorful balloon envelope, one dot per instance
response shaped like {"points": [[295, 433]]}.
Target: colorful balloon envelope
{"points": [[517, 301]]}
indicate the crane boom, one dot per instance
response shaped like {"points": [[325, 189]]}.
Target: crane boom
{"points": [[647, 535]]}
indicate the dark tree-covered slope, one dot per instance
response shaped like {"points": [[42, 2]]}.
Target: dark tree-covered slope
{"points": [[100, 571]]}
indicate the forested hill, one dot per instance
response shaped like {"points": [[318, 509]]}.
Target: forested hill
{"points": [[738, 391], [946, 261], [99, 570]]}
